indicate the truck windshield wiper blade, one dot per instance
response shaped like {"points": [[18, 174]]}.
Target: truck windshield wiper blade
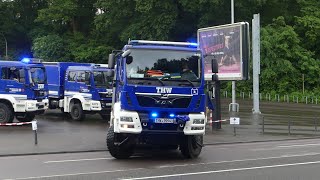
{"points": [[181, 80], [152, 79]]}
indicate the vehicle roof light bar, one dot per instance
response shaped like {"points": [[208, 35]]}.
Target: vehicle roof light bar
{"points": [[135, 42]]}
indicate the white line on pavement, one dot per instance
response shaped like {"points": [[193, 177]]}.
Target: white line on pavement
{"points": [[225, 170], [241, 160], [75, 174], [298, 145], [285, 147], [76, 160]]}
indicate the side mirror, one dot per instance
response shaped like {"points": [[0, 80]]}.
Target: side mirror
{"points": [[111, 60], [214, 65], [129, 59]]}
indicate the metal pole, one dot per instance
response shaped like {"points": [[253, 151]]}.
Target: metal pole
{"points": [[256, 61], [233, 82], [263, 125], [289, 127], [35, 137]]}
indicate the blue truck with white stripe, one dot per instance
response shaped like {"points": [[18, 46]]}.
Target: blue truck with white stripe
{"points": [[23, 90], [158, 98], [80, 88]]}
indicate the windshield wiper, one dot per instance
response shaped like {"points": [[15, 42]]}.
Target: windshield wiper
{"points": [[148, 78], [180, 80]]}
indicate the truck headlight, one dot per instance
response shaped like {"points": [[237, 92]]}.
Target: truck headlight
{"points": [[126, 119], [198, 121]]}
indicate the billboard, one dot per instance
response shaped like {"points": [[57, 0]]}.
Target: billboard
{"points": [[229, 44]]}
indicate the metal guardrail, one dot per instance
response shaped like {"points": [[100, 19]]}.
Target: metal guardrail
{"points": [[276, 97], [291, 126]]}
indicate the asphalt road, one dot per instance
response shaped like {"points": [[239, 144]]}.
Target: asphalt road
{"points": [[299, 159]]}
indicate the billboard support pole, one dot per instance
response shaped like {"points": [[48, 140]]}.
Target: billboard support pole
{"points": [[256, 61], [233, 82]]}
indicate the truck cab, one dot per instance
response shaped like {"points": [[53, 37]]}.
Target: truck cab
{"points": [[80, 89], [23, 90], [158, 97]]}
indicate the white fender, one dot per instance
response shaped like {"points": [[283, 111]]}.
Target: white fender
{"points": [[9, 98]]}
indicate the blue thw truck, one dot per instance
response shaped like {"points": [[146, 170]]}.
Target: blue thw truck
{"points": [[158, 98], [80, 88], [23, 90]]}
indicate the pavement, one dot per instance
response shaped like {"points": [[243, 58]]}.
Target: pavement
{"points": [[58, 134]]}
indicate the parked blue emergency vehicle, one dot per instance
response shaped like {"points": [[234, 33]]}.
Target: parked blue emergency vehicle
{"points": [[158, 98], [80, 88], [23, 90]]}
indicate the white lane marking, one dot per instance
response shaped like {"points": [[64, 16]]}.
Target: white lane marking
{"points": [[76, 160], [285, 147], [298, 145], [225, 170], [75, 174], [241, 160]]}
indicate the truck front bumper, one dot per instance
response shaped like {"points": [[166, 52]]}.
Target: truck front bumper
{"points": [[130, 122], [93, 105], [31, 105]]}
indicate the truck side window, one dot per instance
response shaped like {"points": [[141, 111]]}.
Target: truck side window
{"points": [[22, 76], [83, 77], [14, 74], [72, 76]]}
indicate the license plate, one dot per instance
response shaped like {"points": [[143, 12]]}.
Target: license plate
{"points": [[164, 120]]}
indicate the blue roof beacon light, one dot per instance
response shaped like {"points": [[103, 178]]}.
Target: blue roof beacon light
{"points": [[31, 60], [26, 60], [171, 115]]}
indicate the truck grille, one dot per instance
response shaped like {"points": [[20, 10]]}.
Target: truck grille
{"points": [[105, 95], [175, 102], [39, 93]]}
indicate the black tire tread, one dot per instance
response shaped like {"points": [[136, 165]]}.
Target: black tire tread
{"points": [[9, 110], [82, 115], [114, 150]]}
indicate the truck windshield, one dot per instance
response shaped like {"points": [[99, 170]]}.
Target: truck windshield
{"points": [[165, 67], [102, 79], [38, 75]]}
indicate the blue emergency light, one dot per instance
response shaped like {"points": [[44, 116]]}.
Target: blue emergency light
{"points": [[154, 114], [31, 60], [26, 60]]}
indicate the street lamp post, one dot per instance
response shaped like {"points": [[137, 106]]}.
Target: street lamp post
{"points": [[5, 40]]}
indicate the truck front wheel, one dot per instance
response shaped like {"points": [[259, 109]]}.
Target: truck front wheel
{"points": [[77, 112], [25, 117], [191, 146], [118, 149], [6, 113]]}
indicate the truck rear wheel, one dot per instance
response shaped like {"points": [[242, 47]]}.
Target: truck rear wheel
{"points": [[25, 117], [116, 150], [191, 146], [6, 113], [77, 112]]}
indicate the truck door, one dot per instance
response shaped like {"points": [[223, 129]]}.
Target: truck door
{"points": [[70, 86], [13, 82]]}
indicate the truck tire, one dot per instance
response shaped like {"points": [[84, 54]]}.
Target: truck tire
{"points": [[191, 146], [119, 152], [6, 113], [77, 113], [26, 117]]}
